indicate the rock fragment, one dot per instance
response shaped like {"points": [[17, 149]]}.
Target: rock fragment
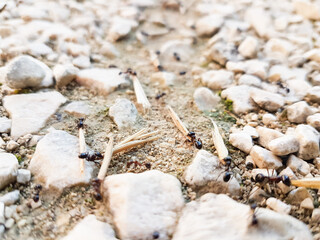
{"points": [[217, 79], [308, 139], [297, 195], [123, 113], [64, 74], [298, 165], [307, 204], [10, 197], [314, 121], [77, 109], [8, 169], [63, 150], [307, 9], [298, 112], [249, 47], [314, 94], [264, 158], [278, 206], [144, 203], [266, 135], [23, 176], [164, 79], [205, 99], [267, 100], [5, 125], [29, 112], [284, 145], [242, 141], [208, 25]]}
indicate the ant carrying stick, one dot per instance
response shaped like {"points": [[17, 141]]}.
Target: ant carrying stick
{"points": [[191, 136]]}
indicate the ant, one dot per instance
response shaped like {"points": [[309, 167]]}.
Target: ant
{"points": [[275, 179], [129, 71], [176, 56], [38, 189], [254, 220], [112, 66], [91, 156], [156, 235], [280, 84], [158, 52], [228, 174], [160, 95], [81, 123], [193, 139], [96, 183], [182, 73], [160, 68]]}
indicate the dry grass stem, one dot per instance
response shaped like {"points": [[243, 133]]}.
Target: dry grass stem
{"points": [[177, 121], [106, 160], [82, 148], [132, 144], [134, 136], [219, 143], [307, 182], [142, 99]]}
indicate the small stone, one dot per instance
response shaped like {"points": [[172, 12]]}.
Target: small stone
{"points": [[208, 25], [307, 9], [280, 73], [277, 48], [260, 20], [297, 195], [267, 100], [24, 176], [9, 223], [24, 71], [144, 203], [269, 119], [314, 121], [2, 230], [298, 112], [9, 211], [307, 204], [29, 112], [109, 50], [205, 173], [8, 169], [64, 74], [205, 99], [181, 47], [12, 145], [164, 79], [315, 215], [284, 145], [278, 206], [207, 218], [308, 139], [34, 140], [5, 125], [38, 49], [249, 80], [120, 28], [63, 151], [123, 113], [240, 96], [298, 88], [10, 197], [242, 141], [2, 213], [257, 68], [102, 81], [81, 62], [217, 79], [313, 94], [251, 131], [257, 195], [249, 47], [266, 135], [91, 228], [77, 109], [264, 158], [298, 165], [35, 205], [22, 223]]}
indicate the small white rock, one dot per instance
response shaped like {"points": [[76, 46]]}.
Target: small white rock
{"points": [[249, 47], [250, 80], [242, 141], [9, 223], [278, 206], [217, 79], [313, 94], [264, 158], [314, 121], [12, 145], [123, 113], [9, 211], [307, 9], [10, 198], [109, 50], [64, 74], [307, 204], [5, 125], [77, 109], [284, 145], [269, 119], [267, 100], [24, 176], [8, 169], [164, 79], [2, 213], [308, 138], [81, 62], [266, 135], [205, 99], [251, 131], [297, 195], [298, 165], [298, 112], [316, 215], [208, 25]]}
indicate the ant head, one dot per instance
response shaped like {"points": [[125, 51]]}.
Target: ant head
{"points": [[249, 165], [227, 160], [198, 143], [227, 176], [253, 206], [191, 134], [98, 196], [98, 154], [259, 177], [286, 180], [156, 235], [83, 155], [80, 123]]}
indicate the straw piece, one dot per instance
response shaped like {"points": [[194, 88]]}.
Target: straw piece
{"points": [[219, 143], [177, 121], [132, 144], [82, 148], [146, 135], [106, 160], [142, 99], [307, 182], [134, 136]]}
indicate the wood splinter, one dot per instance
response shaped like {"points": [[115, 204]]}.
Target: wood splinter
{"points": [[82, 143], [106, 160], [219, 144], [142, 99], [307, 182]]}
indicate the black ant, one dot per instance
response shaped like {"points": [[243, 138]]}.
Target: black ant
{"points": [[96, 183], [38, 189], [156, 235], [160, 95], [254, 220], [280, 84], [160, 68], [112, 66], [273, 179], [228, 174], [182, 73], [158, 52], [144, 33], [81, 123], [91, 156], [129, 71], [176, 56], [193, 139]]}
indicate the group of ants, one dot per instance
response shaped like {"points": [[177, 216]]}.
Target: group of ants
{"points": [[191, 138]]}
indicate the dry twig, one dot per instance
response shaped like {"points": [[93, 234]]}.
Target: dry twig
{"points": [[106, 160], [142, 99], [219, 143]]}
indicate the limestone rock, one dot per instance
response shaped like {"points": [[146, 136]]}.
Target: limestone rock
{"points": [[102, 81], [257, 68], [307, 9], [77, 109], [278, 206], [267, 100], [29, 112], [12, 145], [205, 173], [164, 79], [249, 47], [251, 131], [81, 62], [266, 135], [208, 25], [144, 203], [212, 216], [316, 215], [120, 28], [260, 20], [308, 139], [297, 195], [298, 165], [307, 204], [314, 94], [205, 99], [123, 113], [242, 141], [298, 112], [284, 145], [240, 96], [10, 197], [264, 158], [109, 50], [63, 150], [181, 47], [277, 48], [314, 121], [269, 119], [8, 169], [250, 80], [91, 228], [64, 74], [5, 125], [217, 79], [23, 176]]}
